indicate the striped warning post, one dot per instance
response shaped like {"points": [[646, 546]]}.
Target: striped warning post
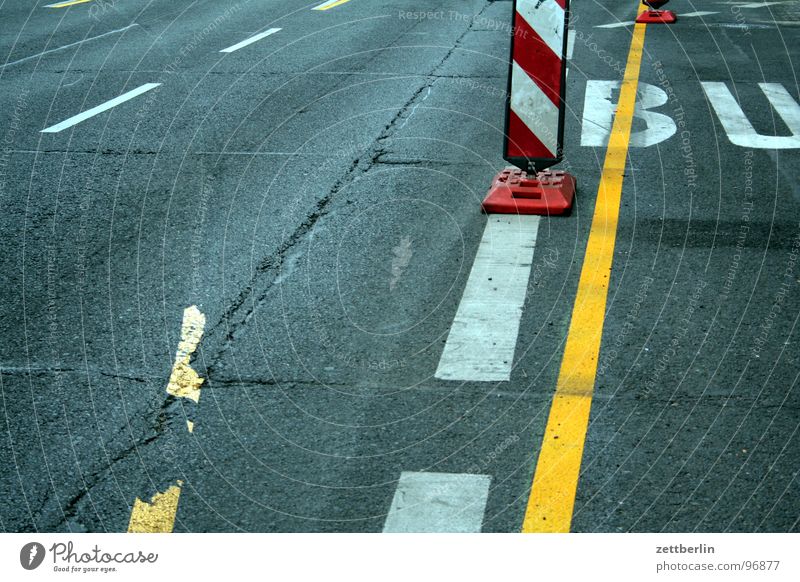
{"points": [[535, 111]]}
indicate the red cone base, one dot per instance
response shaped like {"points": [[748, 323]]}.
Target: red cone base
{"points": [[656, 17], [515, 192]]}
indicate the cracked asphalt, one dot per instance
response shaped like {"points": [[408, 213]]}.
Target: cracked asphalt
{"points": [[317, 195]]}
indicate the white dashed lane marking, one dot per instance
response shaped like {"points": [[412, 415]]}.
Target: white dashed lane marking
{"points": [[697, 14], [758, 4], [438, 502], [76, 119], [330, 4], [70, 45], [66, 4], [250, 40], [616, 24], [483, 337]]}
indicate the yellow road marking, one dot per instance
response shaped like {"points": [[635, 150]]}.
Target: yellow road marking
{"points": [[158, 516], [65, 4], [329, 5], [555, 480], [184, 382]]}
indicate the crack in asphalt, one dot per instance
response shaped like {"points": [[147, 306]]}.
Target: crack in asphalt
{"points": [[42, 371], [91, 479], [241, 309], [94, 478], [233, 320]]}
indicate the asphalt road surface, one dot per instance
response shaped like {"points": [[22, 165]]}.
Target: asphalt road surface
{"points": [[294, 221]]}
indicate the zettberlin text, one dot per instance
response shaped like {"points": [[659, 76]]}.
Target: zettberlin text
{"points": [[681, 549]]}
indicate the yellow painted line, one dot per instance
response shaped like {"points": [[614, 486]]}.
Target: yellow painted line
{"points": [[184, 382], [65, 4], [330, 4], [555, 480], [158, 516]]}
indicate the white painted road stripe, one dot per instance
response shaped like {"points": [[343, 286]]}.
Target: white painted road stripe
{"points": [[616, 24], [759, 4], [72, 44], [438, 503], [692, 14], [250, 40], [66, 3], [483, 337], [100, 108], [329, 4]]}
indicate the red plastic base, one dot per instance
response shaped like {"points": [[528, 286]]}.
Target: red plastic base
{"points": [[515, 192], [657, 17]]}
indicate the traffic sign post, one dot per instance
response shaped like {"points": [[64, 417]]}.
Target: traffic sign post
{"points": [[534, 126]]}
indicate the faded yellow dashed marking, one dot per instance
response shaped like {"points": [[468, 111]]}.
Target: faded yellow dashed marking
{"points": [[184, 382], [158, 516]]}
